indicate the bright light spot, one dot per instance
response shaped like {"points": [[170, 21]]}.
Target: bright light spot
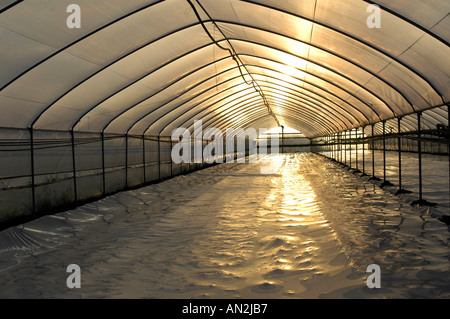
{"points": [[277, 130]]}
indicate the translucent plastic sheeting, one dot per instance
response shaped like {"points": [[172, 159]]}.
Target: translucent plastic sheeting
{"points": [[341, 28], [187, 92], [430, 119], [88, 163], [125, 68], [15, 173], [207, 111], [434, 18], [306, 231], [119, 93], [271, 46]]}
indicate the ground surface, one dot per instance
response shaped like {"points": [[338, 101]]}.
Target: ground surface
{"points": [[299, 227]]}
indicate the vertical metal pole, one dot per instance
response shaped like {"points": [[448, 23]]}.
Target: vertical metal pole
{"points": [[364, 151], [33, 184], [419, 146], [336, 142], [143, 158], [171, 162], [74, 167], [103, 163], [329, 146], [159, 157], [190, 152], [384, 151], [345, 147], [334, 145], [333, 140], [399, 142], [356, 147], [126, 160], [373, 151], [350, 142], [282, 139], [337, 147]]}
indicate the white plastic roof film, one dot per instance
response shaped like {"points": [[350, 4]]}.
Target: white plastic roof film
{"points": [[147, 67]]}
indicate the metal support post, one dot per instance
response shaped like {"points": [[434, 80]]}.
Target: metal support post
{"points": [[399, 147], [143, 158], [385, 181], [373, 155], [126, 161], [159, 157], [373, 151], [356, 149], [33, 182], [364, 152], [420, 201], [345, 148], [74, 167], [350, 143], [103, 163]]}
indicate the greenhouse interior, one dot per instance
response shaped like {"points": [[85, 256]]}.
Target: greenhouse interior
{"points": [[225, 149]]}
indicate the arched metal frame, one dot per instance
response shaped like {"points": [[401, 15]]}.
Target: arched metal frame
{"points": [[372, 46], [326, 102], [158, 92], [263, 75], [235, 23]]}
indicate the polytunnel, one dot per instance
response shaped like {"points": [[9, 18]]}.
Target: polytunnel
{"points": [[92, 90]]}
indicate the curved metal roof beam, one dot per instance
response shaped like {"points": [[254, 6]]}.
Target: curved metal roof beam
{"points": [[303, 98], [294, 108], [136, 81], [147, 114], [368, 44], [193, 25], [359, 66], [251, 94], [315, 94], [221, 118], [228, 107], [80, 39], [9, 6], [325, 90], [98, 30], [251, 98], [304, 125], [415, 24], [354, 107], [171, 33], [176, 97], [214, 110], [312, 92], [302, 104], [226, 121], [323, 79]]}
